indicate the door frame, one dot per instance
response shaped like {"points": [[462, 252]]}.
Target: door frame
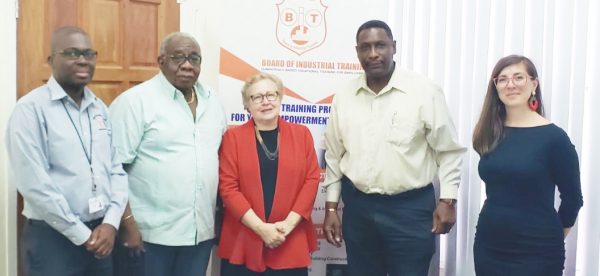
{"points": [[8, 98]]}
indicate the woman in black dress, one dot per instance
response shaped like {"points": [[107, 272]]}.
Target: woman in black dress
{"points": [[523, 158]]}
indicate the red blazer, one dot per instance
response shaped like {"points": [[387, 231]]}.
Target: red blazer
{"points": [[240, 188]]}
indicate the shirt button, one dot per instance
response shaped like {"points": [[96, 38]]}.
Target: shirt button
{"points": [[54, 222]]}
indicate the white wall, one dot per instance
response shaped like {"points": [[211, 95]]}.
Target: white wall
{"points": [[8, 95], [197, 17]]}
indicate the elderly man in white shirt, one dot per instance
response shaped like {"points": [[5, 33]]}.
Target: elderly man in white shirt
{"points": [[167, 131]]}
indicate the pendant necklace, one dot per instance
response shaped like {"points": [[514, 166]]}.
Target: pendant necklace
{"points": [[270, 155]]}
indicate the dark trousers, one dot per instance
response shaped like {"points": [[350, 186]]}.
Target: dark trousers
{"points": [[162, 260], [388, 235], [126, 263], [47, 252], [228, 269]]}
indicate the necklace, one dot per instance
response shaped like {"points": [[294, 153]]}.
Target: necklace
{"points": [[270, 155], [193, 97]]}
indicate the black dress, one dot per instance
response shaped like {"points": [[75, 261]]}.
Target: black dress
{"points": [[519, 232]]}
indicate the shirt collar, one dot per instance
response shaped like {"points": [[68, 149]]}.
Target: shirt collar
{"points": [[398, 81], [58, 93], [173, 92]]}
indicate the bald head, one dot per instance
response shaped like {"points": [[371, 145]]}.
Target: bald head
{"points": [[72, 59], [60, 34]]}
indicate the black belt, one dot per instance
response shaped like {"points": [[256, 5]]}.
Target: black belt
{"points": [[90, 224], [348, 183]]}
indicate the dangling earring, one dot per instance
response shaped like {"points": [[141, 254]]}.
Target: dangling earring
{"points": [[533, 102]]}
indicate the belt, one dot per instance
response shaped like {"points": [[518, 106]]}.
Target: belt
{"points": [[90, 224], [93, 223], [348, 183]]}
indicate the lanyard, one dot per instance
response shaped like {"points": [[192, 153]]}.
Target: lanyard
{"points": [[87, 156]]}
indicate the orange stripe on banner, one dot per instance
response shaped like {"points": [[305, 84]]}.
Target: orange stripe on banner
{"points": [[236, 68], [293, 94], [327, 100]]}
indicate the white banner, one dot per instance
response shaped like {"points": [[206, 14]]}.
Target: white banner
{"points": [[309, 44]]}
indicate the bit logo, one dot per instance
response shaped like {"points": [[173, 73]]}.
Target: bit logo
{"points": [[301, 25]]}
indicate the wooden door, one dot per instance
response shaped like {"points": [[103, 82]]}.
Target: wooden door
{"points": [[126, 33]]}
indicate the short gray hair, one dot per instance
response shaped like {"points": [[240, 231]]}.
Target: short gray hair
{"points": [[258, 77], [167, 40]]}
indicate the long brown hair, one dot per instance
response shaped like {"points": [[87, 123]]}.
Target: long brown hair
{"points": [[490, 127]]}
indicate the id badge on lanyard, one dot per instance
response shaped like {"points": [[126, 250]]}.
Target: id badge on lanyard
{"points": [[97, 202]]}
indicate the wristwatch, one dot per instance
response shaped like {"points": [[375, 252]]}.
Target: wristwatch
{"points": [[449, 201]]}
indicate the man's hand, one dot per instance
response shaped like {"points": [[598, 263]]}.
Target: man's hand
{"points": [[444, 218], [270, 235], [332, 225], [102, 240], [131, 237]]}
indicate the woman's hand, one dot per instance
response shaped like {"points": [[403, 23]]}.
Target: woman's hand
{"points": [[286, 226], [270, 235], [266, 231]]}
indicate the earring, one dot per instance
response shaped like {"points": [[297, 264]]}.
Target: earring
{"points": [[533, 102]]}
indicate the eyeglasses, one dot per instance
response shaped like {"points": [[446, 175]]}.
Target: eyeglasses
{"points": [[74, 53], [179, 59], [518, 80], [271, 96]]}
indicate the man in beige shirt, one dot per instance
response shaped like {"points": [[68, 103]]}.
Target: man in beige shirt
{"points": [[389, 134]]}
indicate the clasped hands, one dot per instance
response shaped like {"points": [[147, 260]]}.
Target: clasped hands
{"points": [[102, 240], [273, 234]]}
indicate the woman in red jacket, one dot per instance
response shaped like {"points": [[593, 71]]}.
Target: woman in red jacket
{"points": [[269, 176]]}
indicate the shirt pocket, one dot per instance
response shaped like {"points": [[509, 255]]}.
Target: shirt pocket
{"points": [[402, 130], [101, 138]]}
